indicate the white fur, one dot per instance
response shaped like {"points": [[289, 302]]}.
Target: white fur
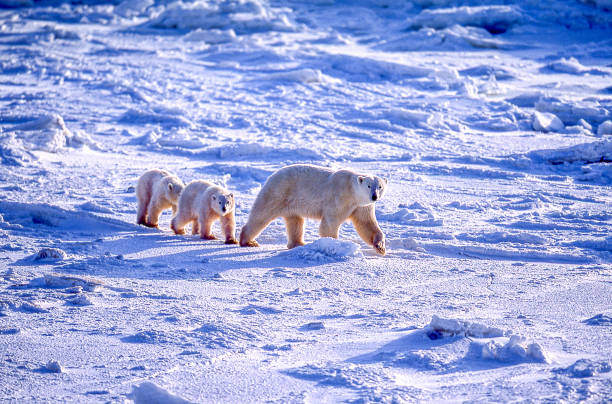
{"points": [[305, 191], [156, 191], [201, 203]]}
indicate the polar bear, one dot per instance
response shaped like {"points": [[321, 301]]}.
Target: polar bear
{"points": [[201, 203], [156, 191], [303, 191]]}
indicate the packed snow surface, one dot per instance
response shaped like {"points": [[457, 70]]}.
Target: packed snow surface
{"points": [[491, 120]]}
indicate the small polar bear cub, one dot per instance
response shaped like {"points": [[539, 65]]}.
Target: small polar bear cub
{"points": [[201, 203], [303, 191], [156, 190]]}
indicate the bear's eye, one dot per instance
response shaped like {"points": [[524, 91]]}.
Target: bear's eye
{"points": [[369, 187]]}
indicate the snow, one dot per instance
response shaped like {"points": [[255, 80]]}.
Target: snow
{"points": [[491, 121], [547, 122], [150, 393]]}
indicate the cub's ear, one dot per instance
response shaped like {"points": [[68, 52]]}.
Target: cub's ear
{"points": [[214, 197], [360, 179], [231, 195], [385, 180], [170, 186]]}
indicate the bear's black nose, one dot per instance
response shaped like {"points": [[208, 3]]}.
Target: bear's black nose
{"points": [[374, 197], [224, 209]]}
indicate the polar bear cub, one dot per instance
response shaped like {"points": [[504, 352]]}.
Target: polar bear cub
{"points": [[303, 191], [201, 203], [156, 190]]}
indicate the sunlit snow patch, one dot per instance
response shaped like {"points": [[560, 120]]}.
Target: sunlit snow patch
{"points": [[517, 349], [150, 393], [244, 17], [495, 19], [586, 368], [49, 133], [325, 249]]}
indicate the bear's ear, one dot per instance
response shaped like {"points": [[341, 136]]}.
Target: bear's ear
{"points": [[231, 195], [170, 186], [360, 179], [214, 197], [385, 180]]}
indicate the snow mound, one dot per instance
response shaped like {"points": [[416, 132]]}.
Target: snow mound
{"points": [[244, 17], [515, 350], [49, 254], [49, 133], [572, 66], [546, 122], [80, 300], [600, 319], [211, 36], [223, 335], [150, 393], [600, 151], [439, 327], [60, 281], [586, 368], [495, 19], [325, 249], [53, 367], [572, 111], [13, 152], [605, 128]]}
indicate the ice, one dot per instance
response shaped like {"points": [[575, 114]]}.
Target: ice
{"points": [[547, 122], [150, 393], [495, 19], [49, 133], [586, 368], [50, 254], [450, 327], [54, 367], [243, 17], [572, 66], [604, 128], [491, 121], [325, 249], [517, 349]]}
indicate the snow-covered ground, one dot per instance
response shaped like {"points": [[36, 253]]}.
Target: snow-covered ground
{"points": [[492, 121]]}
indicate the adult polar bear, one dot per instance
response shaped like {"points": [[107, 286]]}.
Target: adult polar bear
{"points": [[303, 191]]}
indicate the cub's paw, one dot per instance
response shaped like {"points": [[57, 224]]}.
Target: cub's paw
{"points": [[231, 241], [208, 237], [251, 243]]}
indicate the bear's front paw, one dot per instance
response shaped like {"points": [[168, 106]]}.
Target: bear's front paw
{"points": [[251, 243], [379, 244], [208, 237], [231, 241]]}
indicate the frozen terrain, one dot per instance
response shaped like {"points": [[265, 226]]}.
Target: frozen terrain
{"points": [[492, 121]]}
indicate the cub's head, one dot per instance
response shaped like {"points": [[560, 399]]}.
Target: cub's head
{"points": [[370, 189], [174, 187], [222, 202]]}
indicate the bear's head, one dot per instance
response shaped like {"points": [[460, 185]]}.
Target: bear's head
{"points": [[222, 202], [174, 187], [370, 189]]}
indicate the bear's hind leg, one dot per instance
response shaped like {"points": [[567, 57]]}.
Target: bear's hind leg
{"points": [[329, 228], [295, 231], [195, 228], [154, 212], [178, 223], [141, 216]]}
